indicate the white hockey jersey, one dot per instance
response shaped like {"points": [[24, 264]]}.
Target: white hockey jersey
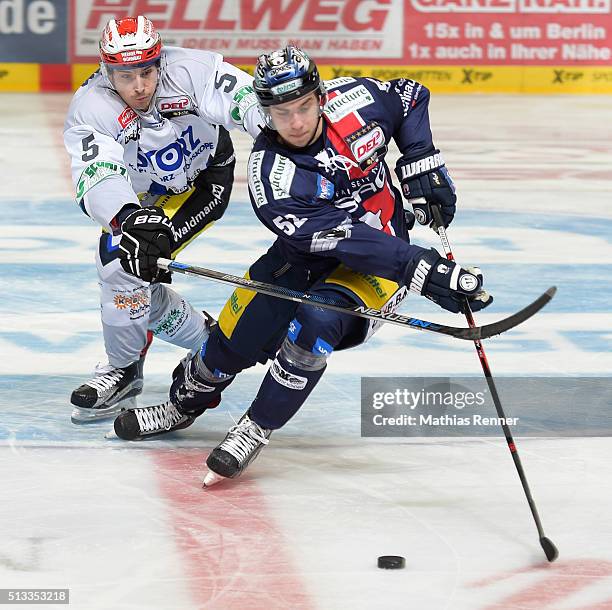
{"points": [[118, 152]]}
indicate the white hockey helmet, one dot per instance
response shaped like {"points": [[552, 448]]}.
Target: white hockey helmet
{"points": [[130, 42]]}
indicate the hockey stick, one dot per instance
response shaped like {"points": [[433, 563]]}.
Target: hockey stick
{"points": [[549, 548], [469, 334]]}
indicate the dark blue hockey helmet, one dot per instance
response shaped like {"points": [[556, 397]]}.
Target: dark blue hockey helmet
{"points": [[285, 75]]}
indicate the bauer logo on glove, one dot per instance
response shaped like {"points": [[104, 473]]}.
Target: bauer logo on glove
{"points": [[152, 219], [146, 237]]}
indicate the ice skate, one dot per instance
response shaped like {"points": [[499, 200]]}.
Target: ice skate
{"points": [[141, 422], [240, 447], [107, 393]]}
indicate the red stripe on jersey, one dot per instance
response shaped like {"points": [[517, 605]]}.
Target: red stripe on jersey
{"points": [[381, 204]]}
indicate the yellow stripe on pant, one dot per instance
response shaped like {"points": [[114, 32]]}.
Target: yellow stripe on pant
{"points": [[234, 307], [373, 291]]}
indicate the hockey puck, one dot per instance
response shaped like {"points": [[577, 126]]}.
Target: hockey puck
{"points": [[391, 562]]}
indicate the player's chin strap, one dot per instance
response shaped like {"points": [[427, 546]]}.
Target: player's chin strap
{"points": [[549, 548], [469, 334]]}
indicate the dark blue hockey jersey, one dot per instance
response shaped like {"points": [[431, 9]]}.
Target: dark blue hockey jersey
{"points": [[335, 201]]}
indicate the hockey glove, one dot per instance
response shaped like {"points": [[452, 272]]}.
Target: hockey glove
{"points": [[146, 236], [425, 180], [446, 283], [409, 219]]}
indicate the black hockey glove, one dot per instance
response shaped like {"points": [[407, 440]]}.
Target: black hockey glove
{"points": [[409, 219], [425, 180], [146, 236], [446, 283]]}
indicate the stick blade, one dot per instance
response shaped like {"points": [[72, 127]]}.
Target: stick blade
{"points": [[550, 550], [490, 330]]}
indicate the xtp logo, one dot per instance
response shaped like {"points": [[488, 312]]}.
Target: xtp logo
{"points": [[470, 76], [563, 76]]}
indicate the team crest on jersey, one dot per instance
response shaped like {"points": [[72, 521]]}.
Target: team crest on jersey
{"points": [[170, 107], [368, 145]]}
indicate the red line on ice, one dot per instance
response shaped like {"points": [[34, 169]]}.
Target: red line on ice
{"points": [[558, 582], [234, 554]]}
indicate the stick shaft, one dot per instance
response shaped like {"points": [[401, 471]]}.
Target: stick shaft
{"points": [[316, 300], [469, 334], [491, 382]]}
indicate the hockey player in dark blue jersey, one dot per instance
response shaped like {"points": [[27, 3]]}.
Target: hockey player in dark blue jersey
{"points": [[318, 179]]}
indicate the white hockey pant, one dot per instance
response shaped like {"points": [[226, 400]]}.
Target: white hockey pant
{"points": [[131, 307]]}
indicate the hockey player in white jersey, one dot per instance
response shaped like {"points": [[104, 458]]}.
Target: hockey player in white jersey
{"points": [[148, 131]]}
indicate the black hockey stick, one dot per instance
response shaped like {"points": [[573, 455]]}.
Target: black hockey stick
{"points": [[549, 548], [469, 334]]}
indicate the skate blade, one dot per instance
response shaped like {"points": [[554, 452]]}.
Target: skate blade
{"points": [[90, 416], [111, 435], [81, 415], [212, 478]]}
